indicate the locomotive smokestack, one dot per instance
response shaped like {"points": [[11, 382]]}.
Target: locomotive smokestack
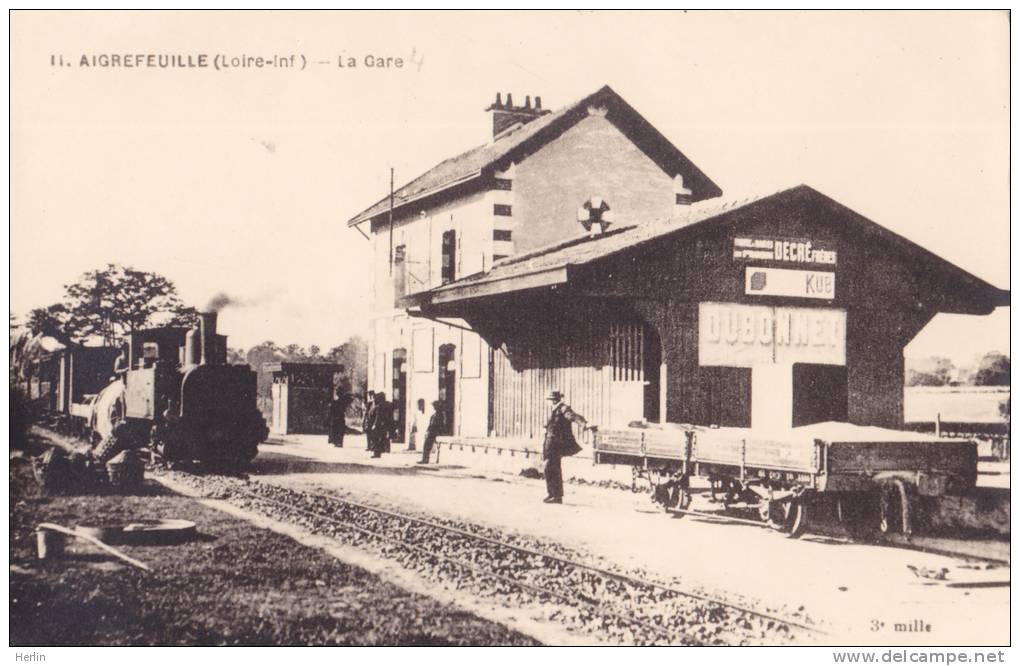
{"points": [[207, 326], [192, 347]]}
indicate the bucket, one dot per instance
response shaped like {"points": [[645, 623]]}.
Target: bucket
{"points": [[50, 543]]}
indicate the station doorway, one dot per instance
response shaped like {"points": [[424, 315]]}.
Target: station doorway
{"points": [[400, 394], [448, 384], [819, 393], [635, 359]]}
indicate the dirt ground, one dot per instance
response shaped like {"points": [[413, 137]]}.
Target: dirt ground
{"points": [[233, 585], [843, 584]]}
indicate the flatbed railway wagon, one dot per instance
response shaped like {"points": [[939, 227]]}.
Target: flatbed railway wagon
{"points": [[875, 478]]}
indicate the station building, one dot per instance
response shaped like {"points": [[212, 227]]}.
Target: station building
{"points": [[580, 250]]}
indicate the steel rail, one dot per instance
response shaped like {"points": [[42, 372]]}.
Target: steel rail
{"points": [[555, 558], [534, 589]]}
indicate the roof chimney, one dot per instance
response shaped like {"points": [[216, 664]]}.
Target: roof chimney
{"points": [[506, 117]]}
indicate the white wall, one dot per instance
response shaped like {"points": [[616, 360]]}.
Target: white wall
{"points": [[472, 220]]}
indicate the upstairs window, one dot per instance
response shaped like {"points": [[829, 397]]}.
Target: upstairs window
{"points": [[449, 250], [399, 272]]}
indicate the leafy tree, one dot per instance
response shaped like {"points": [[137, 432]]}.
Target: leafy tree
{"points": [[353, 355], [52, 321], [294, 353], [184, 316], [993, 370], [109, 303], [930, 371], [257, 357]]}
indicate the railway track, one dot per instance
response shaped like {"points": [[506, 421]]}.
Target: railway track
{"points": [[916, 543], [959, 548], [610, 605], [921, 544]]}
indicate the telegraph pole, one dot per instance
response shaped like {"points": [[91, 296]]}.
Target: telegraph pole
{"points": [[391, 221]]}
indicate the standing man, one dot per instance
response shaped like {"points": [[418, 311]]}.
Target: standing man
{"points": [[418, 425], [436, 426], [341, 399], [381, 425], [559, 442], [366, 422]]}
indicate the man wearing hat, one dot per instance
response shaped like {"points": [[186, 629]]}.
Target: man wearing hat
{"points": [[559, 442], [435, 428], [380, 425]]}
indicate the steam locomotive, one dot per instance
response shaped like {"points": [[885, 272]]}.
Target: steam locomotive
{"points": [[174, 393]]}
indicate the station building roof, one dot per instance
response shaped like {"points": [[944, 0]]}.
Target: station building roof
{"points": [[497, 155], [555, 265]]}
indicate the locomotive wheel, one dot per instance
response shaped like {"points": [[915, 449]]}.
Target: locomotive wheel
{"points": [[107, 449]]}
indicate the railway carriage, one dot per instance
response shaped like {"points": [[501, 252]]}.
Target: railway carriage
{"points": [[874, 476]]}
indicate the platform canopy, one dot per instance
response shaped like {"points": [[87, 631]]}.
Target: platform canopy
{"points": [[873, 267]]}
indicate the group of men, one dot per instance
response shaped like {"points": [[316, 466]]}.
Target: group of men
{"points": [[378, 424]]}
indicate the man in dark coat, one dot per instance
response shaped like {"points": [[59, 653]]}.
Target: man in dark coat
{"points": [[381, 424], [436, 426], [341, 399], [366, 422], [559, 442]]}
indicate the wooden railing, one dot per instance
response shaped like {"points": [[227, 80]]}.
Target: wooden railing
{"points": [[996, 433]]}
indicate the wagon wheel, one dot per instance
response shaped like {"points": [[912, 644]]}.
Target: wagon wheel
{"points": [[767, 512], [894, 508], [790, 517], [795, 517]]}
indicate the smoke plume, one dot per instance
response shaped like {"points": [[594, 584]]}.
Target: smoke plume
{"points": [[220, 301]]}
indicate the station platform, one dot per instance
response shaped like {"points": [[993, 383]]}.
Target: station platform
{"points": [[456, 455], [511, 457]]}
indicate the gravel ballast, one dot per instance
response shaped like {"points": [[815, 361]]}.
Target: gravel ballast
{"points": [[605, 607], [234, 585]]}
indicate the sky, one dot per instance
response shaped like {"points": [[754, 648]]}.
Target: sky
{"points": [[241, 180]]}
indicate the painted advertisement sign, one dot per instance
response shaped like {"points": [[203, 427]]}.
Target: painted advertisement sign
{"points": [[759, 281], [784, 250], [738, 335]]}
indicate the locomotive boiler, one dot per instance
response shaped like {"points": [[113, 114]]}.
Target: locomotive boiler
{"points": [[174, 392]]}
